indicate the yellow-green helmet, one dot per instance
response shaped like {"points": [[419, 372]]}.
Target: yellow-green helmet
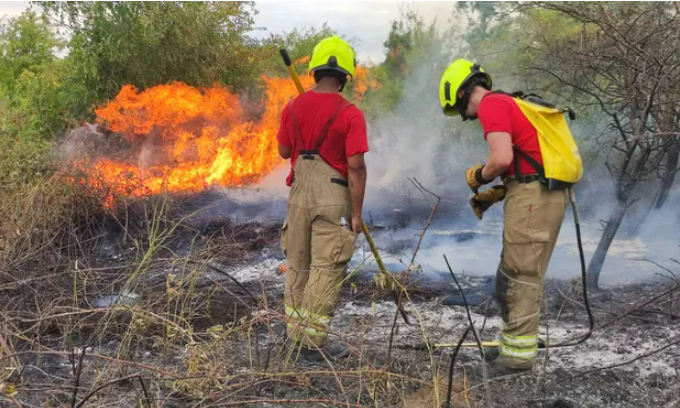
{"points": [[455, 76], [335, 54]]}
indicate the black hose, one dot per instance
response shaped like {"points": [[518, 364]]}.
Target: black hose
{"points": [[584, 278]]}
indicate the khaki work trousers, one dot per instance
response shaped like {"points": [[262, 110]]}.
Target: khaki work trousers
{"points": [[317, 249], [531, 223]]}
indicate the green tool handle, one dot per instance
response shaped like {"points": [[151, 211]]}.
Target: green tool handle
{"points": [[374, 249]]}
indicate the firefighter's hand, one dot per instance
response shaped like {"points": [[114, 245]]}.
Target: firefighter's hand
{"points": [[356, 225], [474, 178], [481, 202]]}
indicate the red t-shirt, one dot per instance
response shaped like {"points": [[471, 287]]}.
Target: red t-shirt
{"points": [[500, 113], [346, 137]]}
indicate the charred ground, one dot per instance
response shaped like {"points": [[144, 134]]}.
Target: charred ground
{"points": [[152, 310]]}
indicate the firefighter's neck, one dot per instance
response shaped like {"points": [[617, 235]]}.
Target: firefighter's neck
{"points": [[475, 98], [327, 85]]}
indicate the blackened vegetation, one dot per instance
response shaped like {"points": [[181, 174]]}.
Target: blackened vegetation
{"points": [[153, 302]]}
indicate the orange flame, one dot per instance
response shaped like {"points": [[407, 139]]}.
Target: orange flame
{"points": [[363, 83], [185, 139], [302, 60]]}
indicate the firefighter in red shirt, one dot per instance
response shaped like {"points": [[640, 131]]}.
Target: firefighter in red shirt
{"points": [[532, 214], [324, 136]]}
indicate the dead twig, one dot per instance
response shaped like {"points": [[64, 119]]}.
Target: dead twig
{"points": [[117, 380], [487, 395], [625, 363], [404, 281], [429, 219], [453, 362], [636, 308], [14, 401], [222, 272], [77, 370], [658, 265], [290, 401], [541, 373]]}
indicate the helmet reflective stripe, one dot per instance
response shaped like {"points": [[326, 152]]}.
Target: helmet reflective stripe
{"points": [[455, 76], [333, 53]]}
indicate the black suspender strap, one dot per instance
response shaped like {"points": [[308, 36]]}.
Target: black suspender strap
{"points": [[324, 132], [342, 105], [532, 162], [302, 150], [296, 127]]}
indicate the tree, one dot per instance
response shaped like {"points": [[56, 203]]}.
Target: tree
{"points": [[623, 57], [36, 100], [299, 43], [26, 43], [149, 43]]}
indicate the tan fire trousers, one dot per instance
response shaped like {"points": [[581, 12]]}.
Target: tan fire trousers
{"points": [[317, 249], [532, 220]]}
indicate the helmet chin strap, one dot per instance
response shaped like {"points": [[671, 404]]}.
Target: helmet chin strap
{"points": [[342, 85], [461, 107]]}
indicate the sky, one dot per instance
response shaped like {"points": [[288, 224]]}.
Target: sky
{"points": [[368, 22]]}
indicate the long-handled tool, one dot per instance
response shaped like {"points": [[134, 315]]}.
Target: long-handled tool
{"points": [[591, 321], [364, 228]]}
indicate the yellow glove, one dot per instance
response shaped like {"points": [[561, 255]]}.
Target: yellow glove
{"points": [[474, 179], [481, 202]]}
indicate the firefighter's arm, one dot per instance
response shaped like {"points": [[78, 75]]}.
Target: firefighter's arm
{"points": [[282, 137], [357, 187], [500, 157], [285, 151]]}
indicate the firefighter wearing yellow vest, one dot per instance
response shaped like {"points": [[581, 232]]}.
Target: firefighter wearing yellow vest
{"points": [[324, 136], [533, 213]]}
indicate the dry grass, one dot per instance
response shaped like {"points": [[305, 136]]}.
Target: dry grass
{"points": [[177, 334]]}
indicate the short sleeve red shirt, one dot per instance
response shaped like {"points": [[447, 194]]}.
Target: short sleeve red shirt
{"points": [[500, 113], [346, 137]]}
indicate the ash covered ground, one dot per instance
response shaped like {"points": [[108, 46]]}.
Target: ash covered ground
{"points": [[566, 377], [197, 338]]}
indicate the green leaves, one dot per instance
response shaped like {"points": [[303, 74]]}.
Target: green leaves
{"points": [[146, 44]]}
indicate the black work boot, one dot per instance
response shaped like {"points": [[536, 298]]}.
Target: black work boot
{"points": [[495, 368], [336, 350], [491, 353], [332, 351]]}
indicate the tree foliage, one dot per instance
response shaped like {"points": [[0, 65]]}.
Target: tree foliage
{"points": [[26, 44], [149, 43]]}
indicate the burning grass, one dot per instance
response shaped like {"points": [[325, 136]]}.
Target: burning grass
{"points": [[184, 139]]}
